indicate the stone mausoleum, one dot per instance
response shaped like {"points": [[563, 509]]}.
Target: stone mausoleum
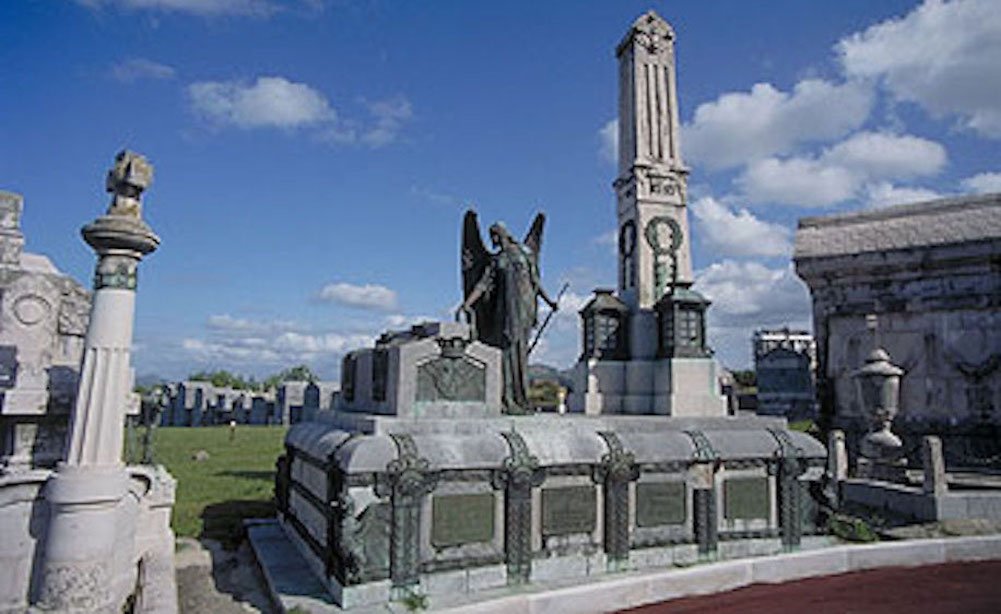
{"points": [[43, 318], [923, 282], [422, 480]]}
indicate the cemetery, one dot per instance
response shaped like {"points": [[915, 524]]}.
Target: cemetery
{"points": [[424, 477]]}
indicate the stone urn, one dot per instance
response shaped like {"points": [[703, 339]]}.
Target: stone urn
{"points": [[879, 392]]}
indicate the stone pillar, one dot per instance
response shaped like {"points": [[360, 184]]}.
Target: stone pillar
{"points": [[935, 479], [521, 473], [85, 534], [617, 469]]}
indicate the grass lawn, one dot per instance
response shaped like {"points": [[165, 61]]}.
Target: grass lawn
{"points": [[236, 482]]}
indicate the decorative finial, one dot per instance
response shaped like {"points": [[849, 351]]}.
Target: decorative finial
{"points": [[127, 179]]}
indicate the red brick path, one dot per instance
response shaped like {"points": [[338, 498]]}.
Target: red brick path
{"points": [[952, 588]]}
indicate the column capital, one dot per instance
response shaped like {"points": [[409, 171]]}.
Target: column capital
{"points": [[122, 228]]}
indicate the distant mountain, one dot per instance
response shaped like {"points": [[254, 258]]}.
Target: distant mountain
{"points": [[540, 372]]}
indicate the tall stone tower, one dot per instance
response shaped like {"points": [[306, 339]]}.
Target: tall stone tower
{"points": [[651, 186], [644, 347]]}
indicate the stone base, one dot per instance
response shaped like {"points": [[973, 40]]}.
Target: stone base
{"points": [[678, 387]]}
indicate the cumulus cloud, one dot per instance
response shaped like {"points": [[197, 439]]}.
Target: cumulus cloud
{"points": [[942, 56], [884, 194], [885, 155], [739, 233], [369, 296], [983, 183], [206, 8], [135, 69], [739, 127], [386, 120], [747, 296], [269, 102], [263, 346], [559, 345], [608, 139], [797, 181], [842, 172]]}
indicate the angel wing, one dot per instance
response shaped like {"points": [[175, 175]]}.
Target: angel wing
{"points": [[533, 240], [474, 257]]}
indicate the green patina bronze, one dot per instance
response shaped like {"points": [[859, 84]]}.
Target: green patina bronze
{"points": [[462, 519]]}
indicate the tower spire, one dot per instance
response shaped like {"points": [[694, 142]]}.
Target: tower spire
{"points": [[654, 251]]}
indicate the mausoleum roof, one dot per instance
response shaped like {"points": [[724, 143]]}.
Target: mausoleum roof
{"points": [[938, 222]]}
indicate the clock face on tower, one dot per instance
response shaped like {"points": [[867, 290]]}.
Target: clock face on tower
{"points": [[663, 234]]}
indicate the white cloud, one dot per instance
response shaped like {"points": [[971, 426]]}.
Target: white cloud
{"points": [[983, 183], [739, 233], [608, 138], [369, 296], [225, 323], [559, 345], [265, 346], [739, 127], [747, 296], [273, 102], [884, 194], [887, 156], [386, 122], [260, 8], [797, 181], [842, 172], [134, 69], [944, 56], [389, 115]]}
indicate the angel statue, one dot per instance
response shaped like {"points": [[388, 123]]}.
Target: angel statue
{"points": [[500, 299]]}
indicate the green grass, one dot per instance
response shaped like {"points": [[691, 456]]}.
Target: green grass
{"points": [[801, 425], [236, 482]]}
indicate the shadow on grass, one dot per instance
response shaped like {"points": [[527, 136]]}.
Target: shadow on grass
{"points": [[264, 476], [224, 521]]}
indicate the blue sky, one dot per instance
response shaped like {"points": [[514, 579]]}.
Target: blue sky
{"points": [[313, 157]]}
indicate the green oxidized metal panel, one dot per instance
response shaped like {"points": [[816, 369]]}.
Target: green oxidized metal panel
{"points": [[660, 503], [462, 519], [569, 509], [451, 379], [746, 499]]}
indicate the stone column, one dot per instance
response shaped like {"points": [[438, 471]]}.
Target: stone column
{"points": [[88, 548]]}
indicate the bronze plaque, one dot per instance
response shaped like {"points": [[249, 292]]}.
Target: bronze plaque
{"points": [[461, 519], [568, 509], [660, 503], [746, 499]]}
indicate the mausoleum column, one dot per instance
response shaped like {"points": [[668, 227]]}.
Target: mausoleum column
{"points": [[121, 239], [89, 541]]}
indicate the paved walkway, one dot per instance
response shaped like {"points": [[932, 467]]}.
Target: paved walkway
{"points": [[952, 588]]}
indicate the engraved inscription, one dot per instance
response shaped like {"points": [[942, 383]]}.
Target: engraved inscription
{"points": [[451, 379], [462, 519], [569, 509], [746, 499], [660, 503]]}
